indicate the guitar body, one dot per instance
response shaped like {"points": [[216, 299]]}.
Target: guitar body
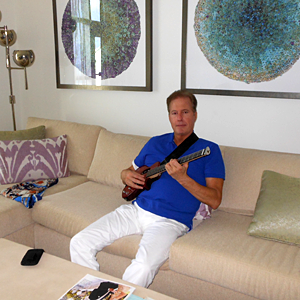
{"points": [[130, 193]]}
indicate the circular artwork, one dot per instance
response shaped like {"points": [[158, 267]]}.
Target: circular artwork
{"points": [[250, 41], [115, 35]]}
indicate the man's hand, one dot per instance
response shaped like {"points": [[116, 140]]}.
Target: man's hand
{"points": [[176, 170], [132, 178]]}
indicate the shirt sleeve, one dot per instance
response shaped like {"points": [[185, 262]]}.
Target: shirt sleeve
{"points": [[134, 165], [139, 161], [215, 168]]}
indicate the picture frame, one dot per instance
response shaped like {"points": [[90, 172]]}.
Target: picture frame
{"points": [[203, 73], [103, 45]]}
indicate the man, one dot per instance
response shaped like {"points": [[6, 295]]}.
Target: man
{"points": [[166, 211]]}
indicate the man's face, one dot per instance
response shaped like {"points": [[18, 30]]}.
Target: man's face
{"points": [[182, 117]]}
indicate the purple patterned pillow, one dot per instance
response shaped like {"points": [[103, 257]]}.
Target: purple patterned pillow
{"points": [[33, 159], [204, 212]]}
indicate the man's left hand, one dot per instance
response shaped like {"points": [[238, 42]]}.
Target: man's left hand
{"points": [[176, 170]]}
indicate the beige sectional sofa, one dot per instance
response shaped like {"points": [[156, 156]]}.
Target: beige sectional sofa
{"points": [[216, 260]]}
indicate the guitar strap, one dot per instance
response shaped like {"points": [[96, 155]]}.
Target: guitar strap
{"points": [[184, 146]]}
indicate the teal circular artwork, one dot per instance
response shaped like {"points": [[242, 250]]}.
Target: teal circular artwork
{"points": [[250, 41]]}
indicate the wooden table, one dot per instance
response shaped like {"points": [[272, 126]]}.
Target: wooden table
{"points": [[50, 279]]}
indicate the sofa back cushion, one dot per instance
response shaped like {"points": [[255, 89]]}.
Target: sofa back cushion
{"points": [[244, 168], [114, 153], [82, 140]]}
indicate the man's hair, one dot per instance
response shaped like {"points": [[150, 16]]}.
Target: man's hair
{"points": [[182, 94]]}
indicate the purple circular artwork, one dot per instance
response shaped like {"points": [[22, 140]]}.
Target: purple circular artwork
{"points": [[114, 33]]}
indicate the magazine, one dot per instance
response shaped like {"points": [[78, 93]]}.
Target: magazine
{"points": [[95, 288]]}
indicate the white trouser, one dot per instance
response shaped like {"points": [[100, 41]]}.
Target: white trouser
{"points": [[158, 235]]}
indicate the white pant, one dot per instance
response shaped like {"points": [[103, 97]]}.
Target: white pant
{"points": [[158, 235]]}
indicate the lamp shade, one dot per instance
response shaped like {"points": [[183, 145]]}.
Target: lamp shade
{"points": [[23, 58], [12, 37]]}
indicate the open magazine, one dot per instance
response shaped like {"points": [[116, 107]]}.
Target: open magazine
{"points": [[95, 288]]}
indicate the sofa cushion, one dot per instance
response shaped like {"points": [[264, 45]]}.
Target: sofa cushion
{"points": [[244, 168], [114, 152], [81, 140], [13, 216], [33, 159], [72, 210], [220, 251], [66, 183], [26, 134], [277, 212]]}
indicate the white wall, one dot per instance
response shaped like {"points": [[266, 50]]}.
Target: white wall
{"points": [[262, 123], [5, 107]]}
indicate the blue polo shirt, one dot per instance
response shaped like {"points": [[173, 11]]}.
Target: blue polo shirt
{"points": [[167, 198]]}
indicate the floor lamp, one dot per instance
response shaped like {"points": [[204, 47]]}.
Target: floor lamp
{"points": [[22, 58]]}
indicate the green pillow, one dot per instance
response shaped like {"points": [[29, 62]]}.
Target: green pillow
{"points": [[277, 212], [37, 133]]}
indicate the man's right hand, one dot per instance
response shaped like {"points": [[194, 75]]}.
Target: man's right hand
{"points": [[132, 178]]}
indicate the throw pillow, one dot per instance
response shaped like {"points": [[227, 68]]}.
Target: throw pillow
{"points": [[36, 133], [204, 212], [33, 159], [277, 212]]}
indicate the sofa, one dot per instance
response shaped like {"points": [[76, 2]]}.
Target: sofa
{"points": [[218, 259]]}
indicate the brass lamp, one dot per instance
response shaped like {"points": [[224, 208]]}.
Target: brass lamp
{"points": [[22, 58]]}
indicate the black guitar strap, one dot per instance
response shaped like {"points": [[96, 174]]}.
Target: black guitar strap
{"points": [[184, 146]]}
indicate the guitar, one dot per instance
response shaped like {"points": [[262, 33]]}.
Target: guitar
{"points": [[154, 172]]}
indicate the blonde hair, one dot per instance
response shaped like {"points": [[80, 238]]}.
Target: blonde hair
{"points": [[182, 94]]}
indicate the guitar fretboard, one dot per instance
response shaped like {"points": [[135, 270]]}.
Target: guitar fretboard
{"points": [[160, 169]]}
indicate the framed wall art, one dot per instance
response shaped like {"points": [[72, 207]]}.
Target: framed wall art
{"points": [[103, 44], [241, 48]]}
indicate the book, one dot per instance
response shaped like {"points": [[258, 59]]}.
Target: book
{"points": [[134, 297], [94, 288]]}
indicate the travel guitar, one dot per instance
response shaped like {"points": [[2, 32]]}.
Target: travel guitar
{"points": [[154, 172]]}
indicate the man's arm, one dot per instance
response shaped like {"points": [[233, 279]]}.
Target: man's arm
{"points": [[211, 194], [132, 178]]}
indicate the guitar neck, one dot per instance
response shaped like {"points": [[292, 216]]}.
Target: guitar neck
{"points": [[162, 168]]}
